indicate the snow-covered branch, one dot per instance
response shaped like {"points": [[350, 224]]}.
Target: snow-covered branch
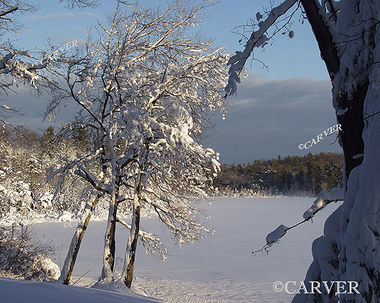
{"points": [[324, 198], [88, 176], [257, 39]]}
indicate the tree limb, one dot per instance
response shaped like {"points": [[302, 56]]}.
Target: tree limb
{"points": [[8, 11], [257, 39]]}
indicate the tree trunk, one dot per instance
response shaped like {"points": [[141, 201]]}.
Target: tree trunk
{"points": [[348, 250], [76, 241], [323, 36], [352, 121], [109, 241], [130, 254], [352, 127]]}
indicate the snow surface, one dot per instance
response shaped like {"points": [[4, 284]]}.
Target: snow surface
{"points": [[218, 269]]}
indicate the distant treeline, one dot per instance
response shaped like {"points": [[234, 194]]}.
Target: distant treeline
{"points": [[292, 175]]}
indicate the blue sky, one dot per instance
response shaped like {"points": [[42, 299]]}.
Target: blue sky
{"points": [[273, 111]]}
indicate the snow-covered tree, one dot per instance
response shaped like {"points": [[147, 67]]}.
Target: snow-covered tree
{"points": [[24, 160], [144, 87], [348, 35]]}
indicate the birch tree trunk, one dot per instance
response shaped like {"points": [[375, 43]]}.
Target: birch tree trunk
{"points": [[129, 263], [76, 241]]}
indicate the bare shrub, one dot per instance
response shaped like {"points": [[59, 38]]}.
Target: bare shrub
{"points": [[23, 257]]}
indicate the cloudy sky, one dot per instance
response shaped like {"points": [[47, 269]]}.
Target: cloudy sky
{"points": [[274, 111], [268, 118]]}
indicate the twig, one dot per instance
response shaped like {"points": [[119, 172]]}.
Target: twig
{"points": [[81, 277]]}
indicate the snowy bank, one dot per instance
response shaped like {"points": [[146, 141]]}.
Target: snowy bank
{"points": [[22, 291]]}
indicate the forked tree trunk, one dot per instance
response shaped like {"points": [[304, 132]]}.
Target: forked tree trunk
{"points": [[76, 241]]}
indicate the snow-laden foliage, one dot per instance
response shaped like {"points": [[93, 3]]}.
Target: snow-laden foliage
{"points": [[144, 87], [23, 257], [20, 174], [276, 235], [324, 198], [15, 64]]}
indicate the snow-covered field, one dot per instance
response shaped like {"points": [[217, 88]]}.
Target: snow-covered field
{"points": [[219, 268]]}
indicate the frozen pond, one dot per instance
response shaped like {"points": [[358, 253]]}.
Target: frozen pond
{"points": [[219, 268]]}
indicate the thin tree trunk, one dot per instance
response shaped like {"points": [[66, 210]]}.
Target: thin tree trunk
{"points": [[130, 255], [76, 241]]}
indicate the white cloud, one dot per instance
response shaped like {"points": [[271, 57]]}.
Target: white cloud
{"points": [[64, 15], [94, 15]]}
